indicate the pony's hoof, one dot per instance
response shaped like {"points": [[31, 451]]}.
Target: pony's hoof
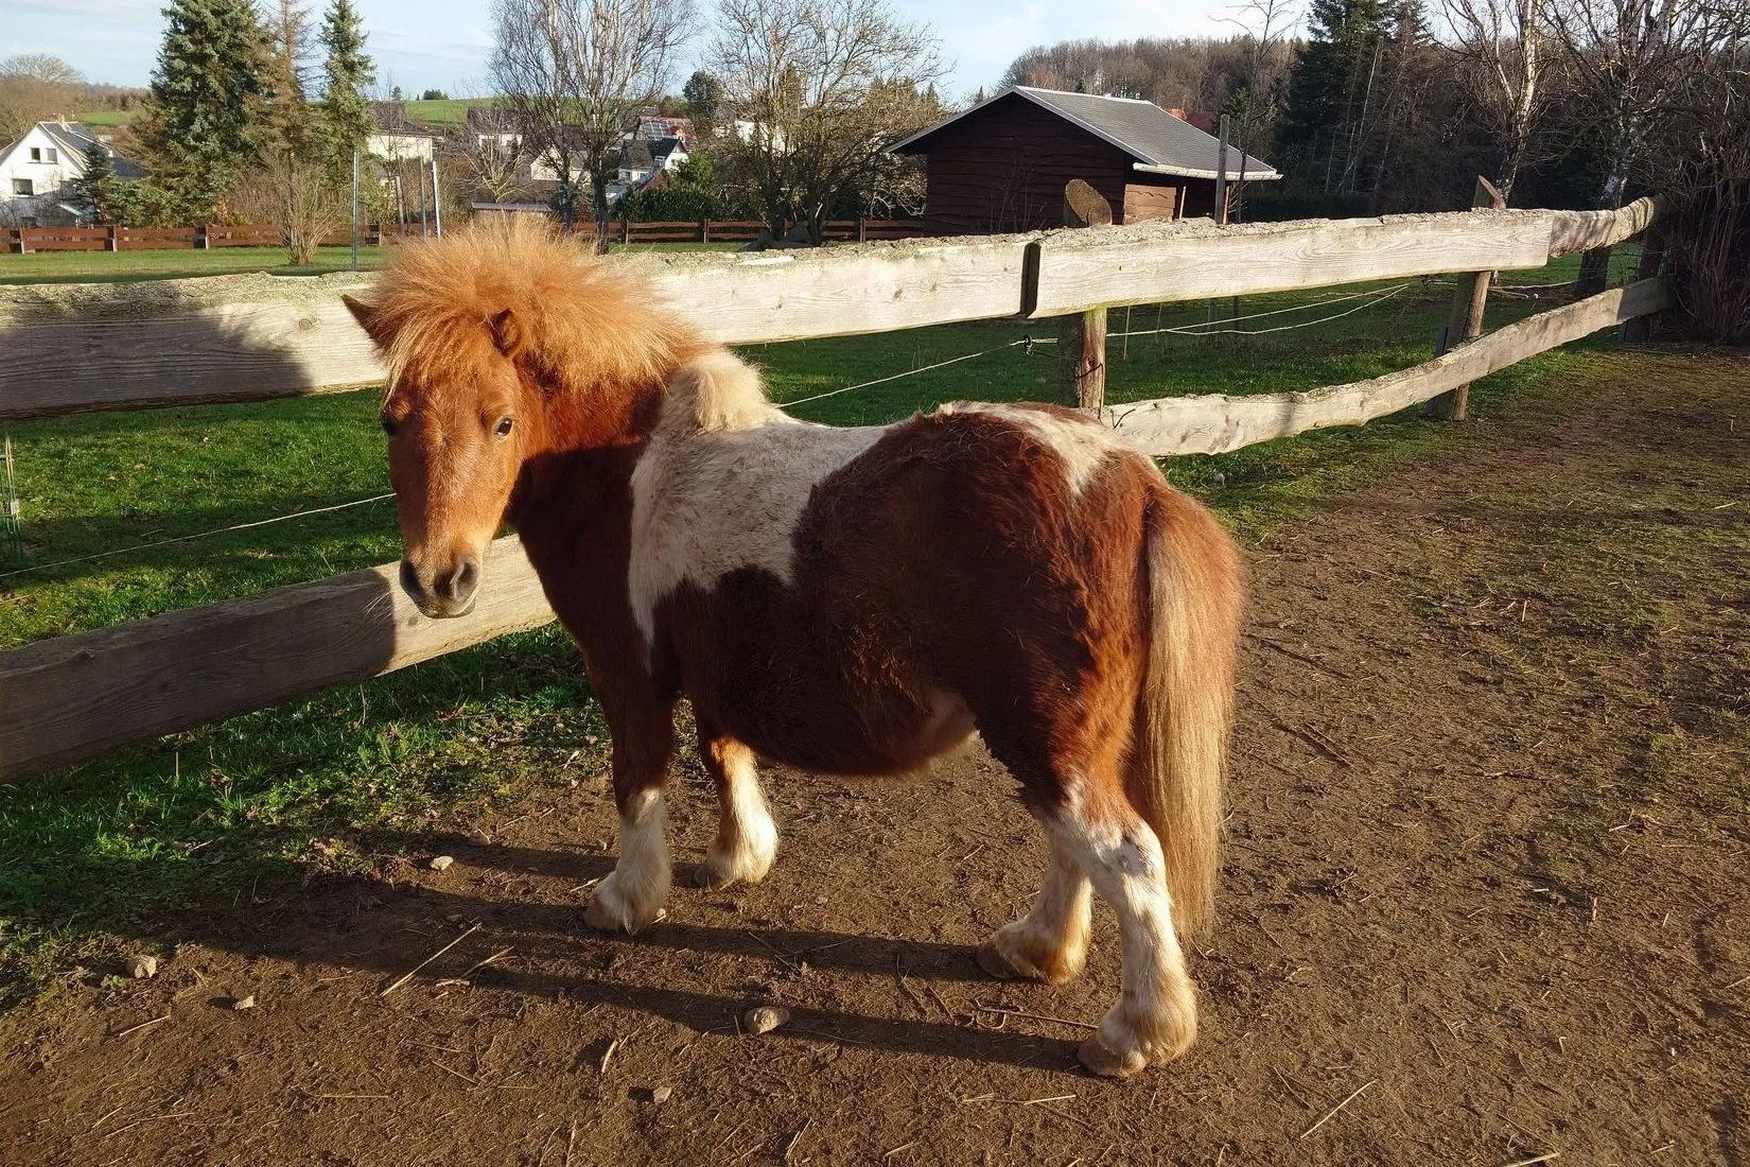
{"points": [[1000, 960], [746, 860], [993, 960], [1108, 1063], [609, 911]]}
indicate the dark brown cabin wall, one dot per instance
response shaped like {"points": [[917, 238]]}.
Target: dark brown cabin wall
{"points": [[1004, 169]]}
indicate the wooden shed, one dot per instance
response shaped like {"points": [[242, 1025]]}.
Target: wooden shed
{"points": [[1002, 165]]}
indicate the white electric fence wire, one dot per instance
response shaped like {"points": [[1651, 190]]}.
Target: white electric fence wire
{"points": [[341, 506]]}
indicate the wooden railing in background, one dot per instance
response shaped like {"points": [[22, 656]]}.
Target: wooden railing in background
{"points": [[23, 240], [238, 338]]}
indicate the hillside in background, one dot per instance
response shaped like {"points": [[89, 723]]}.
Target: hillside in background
{"points": [[446, 111]]}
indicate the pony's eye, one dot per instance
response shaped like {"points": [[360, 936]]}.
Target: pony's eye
{"points": [[388, 424], [504, 426]]}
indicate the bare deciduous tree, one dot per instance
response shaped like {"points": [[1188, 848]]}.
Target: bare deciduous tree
{"points": [[573, 73], [33, 87], [497, 169], [814, 93], [1632, 63], [298, 195], [1498, 50]]}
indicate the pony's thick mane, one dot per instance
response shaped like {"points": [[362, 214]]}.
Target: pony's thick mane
{"points": [[580, 320]]}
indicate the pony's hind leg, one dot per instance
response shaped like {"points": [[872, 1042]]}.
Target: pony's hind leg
{"points": [[633, 894], [747, 839], [1049, 943], [1155, 1017]]}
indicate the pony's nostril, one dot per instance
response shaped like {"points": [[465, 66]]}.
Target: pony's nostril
{"points": [[462, 582], [410, 580]]}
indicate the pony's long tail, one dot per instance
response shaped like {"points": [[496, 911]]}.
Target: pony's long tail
{"points": [[1196, 600]]}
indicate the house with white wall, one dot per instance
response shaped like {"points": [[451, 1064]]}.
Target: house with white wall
{"points": [[38, 170]]}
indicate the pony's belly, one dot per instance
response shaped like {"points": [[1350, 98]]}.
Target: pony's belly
{"points": [[864, 732]]}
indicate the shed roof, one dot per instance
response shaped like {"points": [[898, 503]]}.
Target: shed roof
{"points": [[1158, 142]]}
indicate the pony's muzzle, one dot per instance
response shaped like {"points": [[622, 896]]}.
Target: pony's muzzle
{"points": [[442, 594]]}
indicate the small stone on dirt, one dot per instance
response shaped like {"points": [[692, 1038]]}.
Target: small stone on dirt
{"points": [[661, 1094], [244, 1002], [141, 966], [764, 1019], [442, 863]]}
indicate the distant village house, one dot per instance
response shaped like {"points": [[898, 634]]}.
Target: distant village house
{"points": [[38, 171]]}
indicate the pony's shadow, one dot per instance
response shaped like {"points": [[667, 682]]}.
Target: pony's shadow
{"points": [[341, 921]]}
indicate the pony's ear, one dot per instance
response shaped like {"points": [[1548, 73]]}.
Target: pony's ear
{"points": [[507, 333], [368, 319]]}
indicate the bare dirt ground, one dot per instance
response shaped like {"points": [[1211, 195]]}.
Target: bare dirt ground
{"points": [[1486, 881]]}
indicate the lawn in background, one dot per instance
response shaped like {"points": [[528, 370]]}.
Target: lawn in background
{"points": [[342, 780], [125, 267]]}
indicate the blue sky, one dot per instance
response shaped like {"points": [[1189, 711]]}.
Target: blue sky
{"points": [[420, 45]]}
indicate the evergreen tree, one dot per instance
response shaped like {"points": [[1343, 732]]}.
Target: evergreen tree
{"points": [[97, 192], [204, 101], [704, 93], [346, 113], [1331, 96]]}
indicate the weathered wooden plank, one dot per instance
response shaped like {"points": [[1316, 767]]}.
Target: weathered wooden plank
{"points": [[71, 698], [1218, 423], [1573, 231], [1194, 260], [240, 338]]}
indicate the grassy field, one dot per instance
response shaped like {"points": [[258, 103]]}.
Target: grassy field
{"points": [[443, 111], [312, 784], [122, 267]]}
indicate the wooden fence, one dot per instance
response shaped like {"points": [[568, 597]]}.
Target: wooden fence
{"points": [[233, 338], [23, 240]]}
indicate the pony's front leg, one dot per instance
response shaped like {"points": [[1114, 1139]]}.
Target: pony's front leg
{"points": [[633, 894], [747, 839]]}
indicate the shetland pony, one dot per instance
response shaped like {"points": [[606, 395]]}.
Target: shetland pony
{"points": [[850, 601]]}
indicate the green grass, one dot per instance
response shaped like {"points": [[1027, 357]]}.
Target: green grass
{"points": [[354, 777], [109, 117], [78, 267], [446, 111], [123, 267]]}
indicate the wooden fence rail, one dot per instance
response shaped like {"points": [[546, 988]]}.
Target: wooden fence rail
{"points": [[237, 338], [73, 697]]}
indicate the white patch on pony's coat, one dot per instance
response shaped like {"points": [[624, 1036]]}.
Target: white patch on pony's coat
{"points": [[1083, 443], [723, 483], [744, 847], [633, 895], [1155, 1017]]}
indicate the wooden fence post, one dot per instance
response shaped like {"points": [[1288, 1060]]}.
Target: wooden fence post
{"points": [[1466, 320], [1081, 340], [1640, 328], [704, 230], [110, 242]]}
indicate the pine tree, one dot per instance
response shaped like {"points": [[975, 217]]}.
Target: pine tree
{"points": [[346, 114], [96, 192], [203, 105], [1330, 92]]}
